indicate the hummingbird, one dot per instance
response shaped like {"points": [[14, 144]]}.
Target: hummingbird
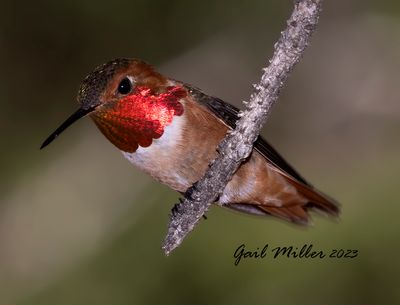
{"points": [[171, 130]]}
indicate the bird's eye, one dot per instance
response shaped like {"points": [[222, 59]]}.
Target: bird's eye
{"points": [[125, 86]]}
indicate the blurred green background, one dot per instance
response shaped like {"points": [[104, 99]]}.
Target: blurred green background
{"points": [[80, 225]]}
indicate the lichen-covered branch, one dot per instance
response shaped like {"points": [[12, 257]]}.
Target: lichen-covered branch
{"points": [[238, 144]]}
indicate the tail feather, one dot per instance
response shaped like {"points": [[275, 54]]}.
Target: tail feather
{"points": [[295, 213], [316, 199]]}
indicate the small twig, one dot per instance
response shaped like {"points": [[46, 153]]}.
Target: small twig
{"points": [[238, 144]]}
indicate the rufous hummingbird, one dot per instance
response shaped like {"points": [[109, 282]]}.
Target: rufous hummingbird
{"points": [[171, 130]]}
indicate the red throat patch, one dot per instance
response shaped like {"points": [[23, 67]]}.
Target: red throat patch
{"points": [[140, 117]]}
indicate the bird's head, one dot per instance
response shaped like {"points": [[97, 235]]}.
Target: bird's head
{"points": [[129, 101]]}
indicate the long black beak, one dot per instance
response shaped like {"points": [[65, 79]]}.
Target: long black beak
{"points": [[68, 122]]}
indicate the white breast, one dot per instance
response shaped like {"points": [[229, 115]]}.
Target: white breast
{"points": [[159, 159]]}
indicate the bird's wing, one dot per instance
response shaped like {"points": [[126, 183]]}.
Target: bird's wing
{"points": [[229, 115]]}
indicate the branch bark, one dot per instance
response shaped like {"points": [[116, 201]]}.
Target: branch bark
{"points": [[238, 144]]}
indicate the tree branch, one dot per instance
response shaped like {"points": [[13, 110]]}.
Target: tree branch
{"points": [[238, 144]]}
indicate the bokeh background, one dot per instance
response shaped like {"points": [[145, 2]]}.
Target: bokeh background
{"points": [[80, 225]]}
